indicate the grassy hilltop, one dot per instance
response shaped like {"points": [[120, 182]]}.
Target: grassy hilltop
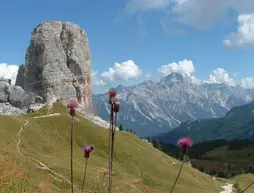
{"points": [[40, 162]]}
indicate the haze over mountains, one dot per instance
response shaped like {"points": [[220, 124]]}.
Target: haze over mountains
{"points": [[152, 107]]}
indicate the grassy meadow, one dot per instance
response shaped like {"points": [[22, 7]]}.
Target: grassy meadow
{"points": [[40, 161]]}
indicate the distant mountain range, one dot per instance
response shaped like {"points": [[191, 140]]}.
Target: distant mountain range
{"points": [[152, 107], [238, 123]]}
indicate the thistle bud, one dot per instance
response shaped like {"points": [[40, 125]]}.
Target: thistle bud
{"points": [[112, 95], [116, 107], [72, 106]]}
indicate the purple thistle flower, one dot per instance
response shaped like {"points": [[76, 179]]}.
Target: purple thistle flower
{"points": [[72, 105], [87, 150], [184, 143]]}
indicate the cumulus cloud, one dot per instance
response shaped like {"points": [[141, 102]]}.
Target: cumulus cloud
{"points": [[95, 81], [100, 83], [127, 70], [245, 33], [247, 83], [185, 67], [9, 71], [221, 76]]}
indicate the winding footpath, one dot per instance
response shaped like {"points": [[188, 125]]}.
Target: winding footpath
{"points": [[19, 140], [40, 164]]}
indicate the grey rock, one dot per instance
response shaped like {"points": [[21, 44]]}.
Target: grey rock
{"points": [[58, 63], [5, 80], [8, 109], [38, 99], [16, 96], [20, 76], [4, 90]]}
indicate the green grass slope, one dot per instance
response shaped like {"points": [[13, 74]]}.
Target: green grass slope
{"points": [[47, 141], [241, 182]]}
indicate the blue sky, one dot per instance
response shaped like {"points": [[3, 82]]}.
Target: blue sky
{"points": [[185, 36]]}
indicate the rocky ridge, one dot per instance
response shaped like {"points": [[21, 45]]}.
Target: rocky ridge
{"points": [[152, 107]]}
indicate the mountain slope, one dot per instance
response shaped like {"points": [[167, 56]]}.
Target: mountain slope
{"points": [[238, 123], [44, 142], [155, 107]]}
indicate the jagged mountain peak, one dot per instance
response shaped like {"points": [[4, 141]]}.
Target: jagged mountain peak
{"points": [[152, 107]]}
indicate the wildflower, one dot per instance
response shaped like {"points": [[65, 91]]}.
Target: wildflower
{"points": [[87, 150], [112, 95], [72, 106], [116, 107], [184, 143]]}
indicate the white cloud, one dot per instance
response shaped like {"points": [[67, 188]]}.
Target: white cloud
{"points": [[245, 33], [95, 81], [9, 71], [127, 70], [221, 76], [185, 67], [247, 83], [100, 83]]}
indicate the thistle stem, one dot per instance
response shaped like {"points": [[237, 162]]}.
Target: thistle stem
{"points": [[113, 140], [72, 126], [84, 178], [110, 147], [247, 187], [180, 170]]}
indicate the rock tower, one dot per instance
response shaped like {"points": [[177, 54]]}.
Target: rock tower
{"points": [[58, 64]]}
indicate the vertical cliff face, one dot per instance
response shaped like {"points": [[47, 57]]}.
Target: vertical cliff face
{"points": [[58, 63], [20, 77]]}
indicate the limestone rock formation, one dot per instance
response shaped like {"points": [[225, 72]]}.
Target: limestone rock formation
{"points": [[58, 63], [14, 95], [20, 77]]}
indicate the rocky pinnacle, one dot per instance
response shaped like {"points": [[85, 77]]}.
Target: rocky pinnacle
{"points": [[58, 64]]}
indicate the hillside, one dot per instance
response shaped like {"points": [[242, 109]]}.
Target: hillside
{"points": [[38, 158], [219, 158], [238, 123], [152, 107], [243, 181]]}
